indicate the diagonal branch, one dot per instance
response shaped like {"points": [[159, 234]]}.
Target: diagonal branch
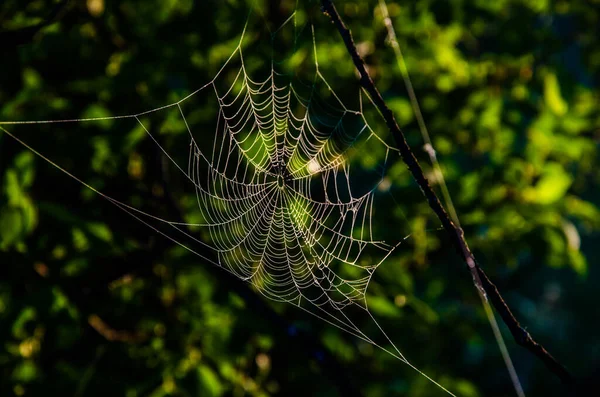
{"points": [[520, 335]]}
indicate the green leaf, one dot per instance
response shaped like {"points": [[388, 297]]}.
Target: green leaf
{"points": [[380, 306], [424, 310], [209, 382], [578, 262], [100, 230], [11, 227], [551, 187], [552, 95], [24, 163], [25, 372], [12, 187], [31, 78], [18, 328], [402, 110]]}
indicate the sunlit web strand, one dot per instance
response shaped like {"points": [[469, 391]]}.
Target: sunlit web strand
{"points": [[279, 238]]}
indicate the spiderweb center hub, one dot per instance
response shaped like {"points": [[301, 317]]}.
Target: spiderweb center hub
{"points": [[280, 181]]}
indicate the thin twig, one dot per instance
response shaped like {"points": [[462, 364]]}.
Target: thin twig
{"points": [[521, 336]]}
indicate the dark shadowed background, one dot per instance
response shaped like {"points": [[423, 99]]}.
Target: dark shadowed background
{"points": [[94, 303]]}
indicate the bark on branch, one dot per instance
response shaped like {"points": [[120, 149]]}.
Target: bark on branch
{"points": [[521, 336]]}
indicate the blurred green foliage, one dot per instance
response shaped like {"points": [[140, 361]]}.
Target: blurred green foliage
{"points": [[94, 303]]}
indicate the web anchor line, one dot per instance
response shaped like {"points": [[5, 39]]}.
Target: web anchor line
{"points": [[521, 336]]}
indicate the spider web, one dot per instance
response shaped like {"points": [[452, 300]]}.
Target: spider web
{"points": [[283, 182]]}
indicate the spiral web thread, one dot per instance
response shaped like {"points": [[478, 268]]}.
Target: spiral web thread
{"points": [[274, 191]]}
